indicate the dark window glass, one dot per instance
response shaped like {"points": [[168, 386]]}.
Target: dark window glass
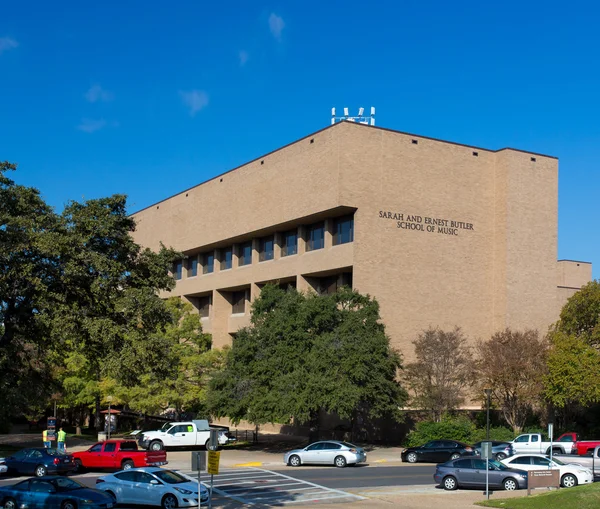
{"points": [[540, 461], [315, 447], [238, 302], [96, 448], [266, 249], [315, 237], [226, 256], [192, 266], [145, 478], [331, 446], [343, 230], [126, 476], [463, 464], [177, 269], [525, 460], [41, 486], [478, 464], [245, 253], [208, 263], [331, 284], [110, 447], [128, 446], [289, 243], [449, 445], [204, 306]]}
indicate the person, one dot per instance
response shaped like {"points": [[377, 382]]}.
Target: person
{"points": [[61, 437], [45, 439]]}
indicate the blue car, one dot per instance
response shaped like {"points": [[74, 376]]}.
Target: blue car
{"points": [[53, 493], [39, 462]]}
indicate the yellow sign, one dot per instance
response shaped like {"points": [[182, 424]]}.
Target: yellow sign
{"points": [[213, 462]]}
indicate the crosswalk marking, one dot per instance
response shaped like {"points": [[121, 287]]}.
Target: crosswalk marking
{"points": [[252, 486]]}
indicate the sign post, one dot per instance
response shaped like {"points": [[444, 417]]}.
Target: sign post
{"points": [[213, 461], [51, 427], [550, 435], [486, 452]]}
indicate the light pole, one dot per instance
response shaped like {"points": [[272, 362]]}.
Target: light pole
{"points": [[488, 393], [109, 399]]}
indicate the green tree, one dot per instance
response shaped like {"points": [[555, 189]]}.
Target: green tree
{"points": [[513, 364], [442, 370], [580, 316], [307, 353]]}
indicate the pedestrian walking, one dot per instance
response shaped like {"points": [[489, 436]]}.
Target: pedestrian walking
{"points": [[61, 437], [45, 439]]}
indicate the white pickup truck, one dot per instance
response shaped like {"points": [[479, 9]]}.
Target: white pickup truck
{"points": [[180, 434], [534, 443]]}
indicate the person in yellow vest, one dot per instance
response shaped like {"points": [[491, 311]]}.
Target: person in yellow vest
{"points": [[45, 439], [61, 437]]}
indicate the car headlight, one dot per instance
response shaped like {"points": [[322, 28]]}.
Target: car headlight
{"points": [[184, 491]]}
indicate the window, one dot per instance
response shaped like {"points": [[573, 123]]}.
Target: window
{"points": [[534, 438], [289, 243], [541, 461], [226, 256], [35, 455], [145, 478], [41, 486], [96, 448], [126, 476], [331, 284], [204, 306], [331, 446], [343, 230], [238, 302], [315, 237], [192, 266], [245, 252], [208, 263], [128, 446], [177, 269], [524, 460], [266, 249], [449, 445], [110, 447], [478, 464], [463, 464], [522, 438], [315, 447]]}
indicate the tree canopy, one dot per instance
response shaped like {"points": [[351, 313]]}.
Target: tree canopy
{"points": [[304, 353], [580, 316]]}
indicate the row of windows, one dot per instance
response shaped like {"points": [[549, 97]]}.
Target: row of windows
{"points": [[343, 232]]}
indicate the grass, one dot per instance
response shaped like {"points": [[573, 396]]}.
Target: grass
{"points": [[582, 497]]}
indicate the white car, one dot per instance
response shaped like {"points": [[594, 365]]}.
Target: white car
{"points": [[570, 474], [330, 452], [152, 486]]}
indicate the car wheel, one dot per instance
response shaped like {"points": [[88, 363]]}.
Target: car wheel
{"points": [[68, 504], [79, 467], [10, 503], [568, 481], [294, 461], [455, 456], [510, 484], [127, 464], [40, 471], [169, 502], [411, 457], [450, 483], [500, 456], [339, 461], [157, 445]]}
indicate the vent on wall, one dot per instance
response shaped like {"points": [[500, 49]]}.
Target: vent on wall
{"points": [[415, 142], [533, 159], [476, 154]]}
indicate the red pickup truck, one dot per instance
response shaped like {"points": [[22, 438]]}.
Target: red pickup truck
{"points": [[117, 454], [579, 446]]}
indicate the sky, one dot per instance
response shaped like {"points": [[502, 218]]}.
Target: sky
{"points": [[150, 98]]}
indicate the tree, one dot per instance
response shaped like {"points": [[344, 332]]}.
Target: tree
{"points": [[512, 364], [441, 372], [307, 353], [580, 316], [29, 268]]}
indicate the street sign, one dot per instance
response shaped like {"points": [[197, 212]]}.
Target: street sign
{"points": [[213, 442], [213, 462], [486, 450], [199, 461]]}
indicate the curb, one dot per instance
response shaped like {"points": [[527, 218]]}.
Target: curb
{"points": [[249, 464]]}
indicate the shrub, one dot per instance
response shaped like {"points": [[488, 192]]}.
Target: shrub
{"points": [[454, 428]]}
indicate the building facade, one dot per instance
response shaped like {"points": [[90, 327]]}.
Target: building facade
{"points": [[442, 234]]}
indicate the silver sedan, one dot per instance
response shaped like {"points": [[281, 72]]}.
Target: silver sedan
{"points": [[330, 452]]}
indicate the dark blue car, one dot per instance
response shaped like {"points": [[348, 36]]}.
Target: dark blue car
{"points": [[53, 493], [39, 462]]}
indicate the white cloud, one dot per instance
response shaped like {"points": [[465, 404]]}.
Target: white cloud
{"points": [[195, 100], [97, 93], [243, 55], [89, 125], [7, 43], [276, 25]]}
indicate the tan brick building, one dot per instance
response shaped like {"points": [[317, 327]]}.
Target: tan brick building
{"points": [[442, 234]]}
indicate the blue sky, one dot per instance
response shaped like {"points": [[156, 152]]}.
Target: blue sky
{"points": [[149, 98]]}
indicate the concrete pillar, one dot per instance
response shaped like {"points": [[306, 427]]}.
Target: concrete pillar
{"points": [[277, 239], [254, 291], [235, 259], [255, 250], [221, 309], [328, 233], [301, 240]]}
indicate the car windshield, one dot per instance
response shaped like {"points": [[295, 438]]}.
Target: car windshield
{"points": [[497, 465], [66, 484], [55, 452], [165, 426], [170, 477]]}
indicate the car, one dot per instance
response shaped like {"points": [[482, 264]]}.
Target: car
{"points": [[330, 452], [152, 486], [500, 450], [118, 455], [437, 451], [3, 466], [471, 472], [53, 493], [39, 461], [570, 474]]}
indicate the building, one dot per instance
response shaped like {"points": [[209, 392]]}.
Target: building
{"points": [[442, 234]]}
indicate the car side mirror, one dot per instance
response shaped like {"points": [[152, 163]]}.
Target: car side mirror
{"points": [[154, 481]]}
